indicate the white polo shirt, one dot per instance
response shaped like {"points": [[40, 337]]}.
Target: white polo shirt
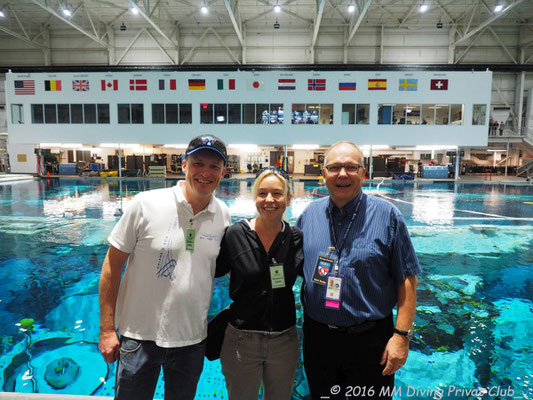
{"points": [[166, 290]]}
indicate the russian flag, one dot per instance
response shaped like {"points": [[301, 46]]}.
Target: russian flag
{"points": [[347, 86]]}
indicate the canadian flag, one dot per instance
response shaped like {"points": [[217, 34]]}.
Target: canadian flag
{"points": [[109, 85]]}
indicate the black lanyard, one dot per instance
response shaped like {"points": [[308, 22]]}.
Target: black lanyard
{"points": [[332, 232]]}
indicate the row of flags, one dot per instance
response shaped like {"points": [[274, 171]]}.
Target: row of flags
{"points": [[23, 87]]}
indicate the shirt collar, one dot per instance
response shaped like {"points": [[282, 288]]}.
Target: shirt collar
{"points": [[348, 208], [180, 197]]}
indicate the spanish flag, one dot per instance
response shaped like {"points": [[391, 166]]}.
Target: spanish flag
{"points": [[377, 84], [52, 86], [196, 84]]}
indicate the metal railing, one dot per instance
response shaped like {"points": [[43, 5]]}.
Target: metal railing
{"points": [[526, 169]]}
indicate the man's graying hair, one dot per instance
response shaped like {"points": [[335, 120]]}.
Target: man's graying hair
{"points": [[361, 159]]}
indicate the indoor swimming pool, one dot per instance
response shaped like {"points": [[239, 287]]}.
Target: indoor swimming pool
{"points": [[475, 296]]}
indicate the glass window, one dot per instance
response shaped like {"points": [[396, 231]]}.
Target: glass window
{"points": [[158, 113], [185, 113], [348, 114], [76, 114], [262, 113], [297, 113], [326, 114], [37, 115], [124, 114], [442, 114], [398, 114], [50, 114], [428, 114], [63, 113], [385, 114], [479, 114], [103, 113], [17, 114], [363, 114], [249, 113], [206, 113], [311, 114], [276, 113], [171, 113], [234, 113], [413, 114], [137, 113], [221, 113], [89, 113], [456, 114]]}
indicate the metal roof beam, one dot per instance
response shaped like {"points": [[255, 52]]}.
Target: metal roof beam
{"points": [[72, 24], [234, 22], [24, 39], [318, 19], [362, 15], [151, 22], [488, 21]]}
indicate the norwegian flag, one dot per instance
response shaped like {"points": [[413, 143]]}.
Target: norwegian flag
{"points": [[138, 84], [109, 85], [80, 85], [316, 84]]}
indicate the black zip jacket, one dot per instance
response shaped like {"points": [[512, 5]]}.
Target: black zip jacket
{"points": [[256, 306]]}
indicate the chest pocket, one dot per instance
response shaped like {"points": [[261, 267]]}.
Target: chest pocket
{"points": [[366, 258]]}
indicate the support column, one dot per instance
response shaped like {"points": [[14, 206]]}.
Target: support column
{"points": [[519, 100], [370, 164], [382, 44], [244, 51], [111, 50], [458, 164], [451, 46], [48, 50], [177, 48]]}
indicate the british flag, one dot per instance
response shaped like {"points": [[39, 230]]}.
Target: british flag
{"points": [[80, 85]]}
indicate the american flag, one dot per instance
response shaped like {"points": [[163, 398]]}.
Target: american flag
{"points": [[25, 87], [80, 85]]}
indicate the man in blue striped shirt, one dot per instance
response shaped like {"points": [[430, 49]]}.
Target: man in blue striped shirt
{"points": [[359, 264]]}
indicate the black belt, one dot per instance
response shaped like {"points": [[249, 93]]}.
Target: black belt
{"points": [[354, 329]]}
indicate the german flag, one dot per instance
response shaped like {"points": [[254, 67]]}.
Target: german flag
{"points": [[52, 86], [377, 84], [196, 84]]}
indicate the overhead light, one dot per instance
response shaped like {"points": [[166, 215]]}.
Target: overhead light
{"points": [[497, 150], [204, 9], [123, 27], [2, 15], [176, 146], [134, 10], [67, 12], [247, 147], [351, 8], [277, 8], [423, 7], [498, 7], [439, 24]]}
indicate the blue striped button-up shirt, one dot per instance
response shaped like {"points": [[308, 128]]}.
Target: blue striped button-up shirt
{"points": [[376, 257]]}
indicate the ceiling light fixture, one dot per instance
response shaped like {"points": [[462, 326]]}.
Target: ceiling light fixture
{"points": [[498, 7], [2, 15], [204, 9], [123, 27], [440, 24], [423, 7], [351, 8], [67, 12], [134, 10], [277, 8]]}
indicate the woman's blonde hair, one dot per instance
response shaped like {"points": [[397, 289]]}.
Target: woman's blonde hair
{"points": [[281, 175]]}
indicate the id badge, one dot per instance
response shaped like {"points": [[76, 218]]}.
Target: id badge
{"points": [[189, 239], [324, 265], [277, 277], [333, 292]]}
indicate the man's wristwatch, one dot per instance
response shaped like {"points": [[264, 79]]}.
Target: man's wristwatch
{"points": [[408, 334]]}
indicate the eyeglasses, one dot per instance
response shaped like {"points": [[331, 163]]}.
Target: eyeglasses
{"points": [[277, 171], [349, 168]]}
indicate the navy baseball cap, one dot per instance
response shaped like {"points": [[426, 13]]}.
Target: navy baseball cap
{"points": [[207, 142]]}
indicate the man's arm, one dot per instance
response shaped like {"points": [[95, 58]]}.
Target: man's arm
{"points": [[397, 348], [108, 292]]}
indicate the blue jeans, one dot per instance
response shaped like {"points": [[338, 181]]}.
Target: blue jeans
{"points": [[140, 362]]}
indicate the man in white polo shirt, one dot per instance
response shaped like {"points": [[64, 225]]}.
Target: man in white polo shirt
{"points": [[171, 239]]}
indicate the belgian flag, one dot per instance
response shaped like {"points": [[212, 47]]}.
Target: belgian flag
{"points": [[52, 86]]}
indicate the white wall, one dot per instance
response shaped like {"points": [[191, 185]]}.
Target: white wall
{"points": [[26, 151]]}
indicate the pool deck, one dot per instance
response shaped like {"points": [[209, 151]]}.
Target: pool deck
{"points": [[470, 178], [40, 396]]}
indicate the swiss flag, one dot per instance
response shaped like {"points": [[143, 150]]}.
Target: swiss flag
{"points": [[439, 84], [109, 85]]}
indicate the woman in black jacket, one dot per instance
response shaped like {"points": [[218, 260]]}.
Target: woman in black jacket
{"points": [[264, 256]]}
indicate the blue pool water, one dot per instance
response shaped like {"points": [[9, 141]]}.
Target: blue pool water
{"points": [[474, 316]]}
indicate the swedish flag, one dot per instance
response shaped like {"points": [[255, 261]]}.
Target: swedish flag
{"points": [[409, 85]]}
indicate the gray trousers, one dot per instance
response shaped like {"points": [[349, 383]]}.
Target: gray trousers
{"points": [[249, 357]]}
